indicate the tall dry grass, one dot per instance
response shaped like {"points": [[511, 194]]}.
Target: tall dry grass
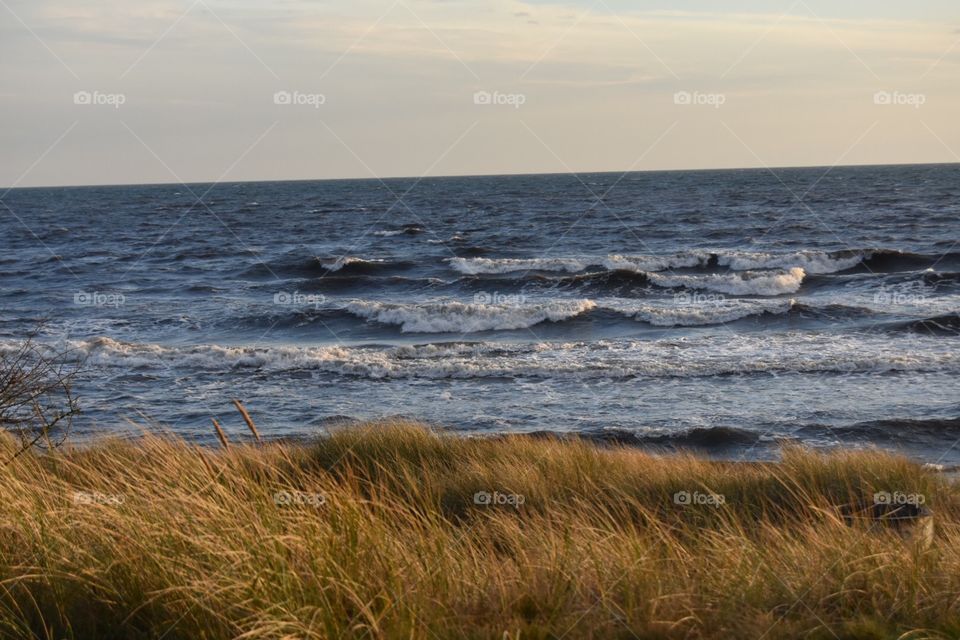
{"points": [[375, 533]]}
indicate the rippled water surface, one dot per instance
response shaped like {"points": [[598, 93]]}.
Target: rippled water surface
{"points": [[723, 310]]}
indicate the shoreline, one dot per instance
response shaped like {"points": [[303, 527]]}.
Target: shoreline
{"points": [[393, 529], [660, 444]]}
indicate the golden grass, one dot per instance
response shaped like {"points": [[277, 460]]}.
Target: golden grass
{"points": [[374, 533]]}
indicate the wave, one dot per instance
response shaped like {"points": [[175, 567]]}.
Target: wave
{"points": [[637, 264], [947, 324], [354, 265], [936, 278], [450, 316], [692, 315], [888, 430], [624, 271], [758, 283], [693, 438], [718, 355], [891, 260], [813, 262], [407, 229], [643, 264], [905, 430], [316, 266], [476, 266], [459, 317], [599, 280]]}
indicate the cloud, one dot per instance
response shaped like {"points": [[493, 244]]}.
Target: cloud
{"points": [[399, 80]]}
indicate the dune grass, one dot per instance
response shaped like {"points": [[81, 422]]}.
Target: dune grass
{"points": [[383, 532]]}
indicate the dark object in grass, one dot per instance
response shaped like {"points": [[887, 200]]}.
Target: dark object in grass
{"points": [[913, 522]]}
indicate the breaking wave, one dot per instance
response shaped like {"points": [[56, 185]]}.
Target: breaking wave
{"points": [[758, 283], [811, 261], [459, 317], [476, 266], [728, 354], [692, 315]]}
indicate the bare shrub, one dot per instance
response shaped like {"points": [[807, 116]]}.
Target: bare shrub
{"points": [[37, 402]]}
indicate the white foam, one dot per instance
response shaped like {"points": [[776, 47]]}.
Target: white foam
{"points": [[337, 264], [757, 283], [459, 317], [723, 353], [815, 262], [642, 264], [695, 313], [474, 266]]}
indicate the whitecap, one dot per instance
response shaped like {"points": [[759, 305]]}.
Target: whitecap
{"points": [[459, 317], [758, 283]]}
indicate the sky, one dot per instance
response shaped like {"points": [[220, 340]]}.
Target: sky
{"points": [[144, 91]]}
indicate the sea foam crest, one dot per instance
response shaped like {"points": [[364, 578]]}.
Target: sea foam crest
{"points": [[814, 262], [693, 315], [641, 264], [336, 264], [757, 283], [791, 352], [459, 317], [475, 266]]}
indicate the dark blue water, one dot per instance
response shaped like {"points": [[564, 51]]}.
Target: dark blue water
{"points": [[724, 310]]}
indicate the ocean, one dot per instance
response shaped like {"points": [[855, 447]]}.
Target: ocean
{"points": [[723, 311]]}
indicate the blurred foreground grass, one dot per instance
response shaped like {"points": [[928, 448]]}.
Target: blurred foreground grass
{"points": [[390, 530]]}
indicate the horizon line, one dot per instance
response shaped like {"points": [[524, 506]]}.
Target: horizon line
{"points": [[478, 175]]}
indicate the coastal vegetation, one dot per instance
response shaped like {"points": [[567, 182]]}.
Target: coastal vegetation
{"points": [[392, 530]]}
